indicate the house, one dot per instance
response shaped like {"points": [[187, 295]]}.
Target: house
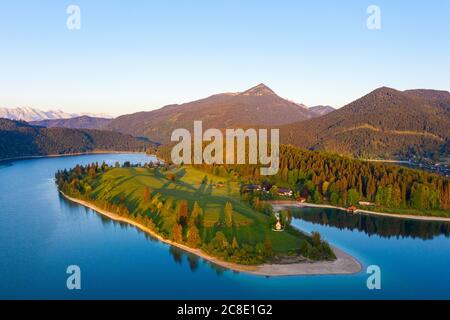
{"points": [[249, 188], [352, 209], [284, 192], [301, 199], [366, 204]]}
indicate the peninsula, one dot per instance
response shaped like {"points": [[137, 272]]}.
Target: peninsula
{"points": [[203, 214]]}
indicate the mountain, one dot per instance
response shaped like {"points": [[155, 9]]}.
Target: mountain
{"points": [[20, 139], [31, 114], [83, 122], [385, 123], [258, 106], [321, 110]]}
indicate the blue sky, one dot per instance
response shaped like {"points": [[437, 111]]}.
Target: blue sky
{"points": [[140, 55]]}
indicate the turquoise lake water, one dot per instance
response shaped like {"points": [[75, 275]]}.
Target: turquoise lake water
{"points": [[41, 234]]}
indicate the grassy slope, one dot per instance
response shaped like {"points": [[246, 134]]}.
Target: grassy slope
{"points": [[253, 227]]}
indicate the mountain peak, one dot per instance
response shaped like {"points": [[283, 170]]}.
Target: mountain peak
{"points": [[322, 110], [259, 90], [385, 90]]}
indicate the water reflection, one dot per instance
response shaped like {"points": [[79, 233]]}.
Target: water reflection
{"points": [[176, 253], [385, 227], [193, 260], [5, 164]]}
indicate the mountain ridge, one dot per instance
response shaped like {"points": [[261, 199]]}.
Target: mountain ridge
{"points": [[257, 106], [83, 122], [386, 122], [20, 139], [33, 114]]}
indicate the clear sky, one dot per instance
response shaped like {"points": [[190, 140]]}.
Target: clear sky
{"points": [[139, 55]]}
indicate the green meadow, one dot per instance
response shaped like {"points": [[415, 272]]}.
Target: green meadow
{"points": [[212, 194]]}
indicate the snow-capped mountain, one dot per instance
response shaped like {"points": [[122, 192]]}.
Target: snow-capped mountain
{"points": [[32, 114]]}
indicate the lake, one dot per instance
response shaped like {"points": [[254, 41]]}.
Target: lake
{"points": [[41, 234]]}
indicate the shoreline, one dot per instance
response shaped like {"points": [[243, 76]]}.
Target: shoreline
{"points": [[290, 204], [71, 155], [343, 265]]}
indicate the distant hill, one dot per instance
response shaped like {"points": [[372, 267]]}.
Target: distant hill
{"points": [[32, 114], [258, 106], [385, 123], [83, 122], [20, 139], [322, 110]]}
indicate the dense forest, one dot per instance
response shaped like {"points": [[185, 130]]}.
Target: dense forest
{"points": [[321, 177], [19, 139]]}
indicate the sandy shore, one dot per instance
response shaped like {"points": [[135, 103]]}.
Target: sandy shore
{"points": [[344, 264], [280, 205]]}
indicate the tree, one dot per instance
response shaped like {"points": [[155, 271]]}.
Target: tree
{"points": [[235, 244], [257, 204], [284, 174], [334, 199], [274, 191], [434, 200], [316, 239], [379, 198], [146, 194], [316, 196], [177, 233], [183, 212], [268, 251], [220, 242], [344, 198], [260, 250], [286, 217], [193, 237], [195, 214], [291, 177], [353, 197], [325, 186], [396, 196], [92, 172], [229, 214], [149, 223], [310, 186]]}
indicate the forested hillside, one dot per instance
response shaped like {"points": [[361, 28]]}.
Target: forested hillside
{"points": [[19, 139], [322, 177], [83, 122], [386, 123]]}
